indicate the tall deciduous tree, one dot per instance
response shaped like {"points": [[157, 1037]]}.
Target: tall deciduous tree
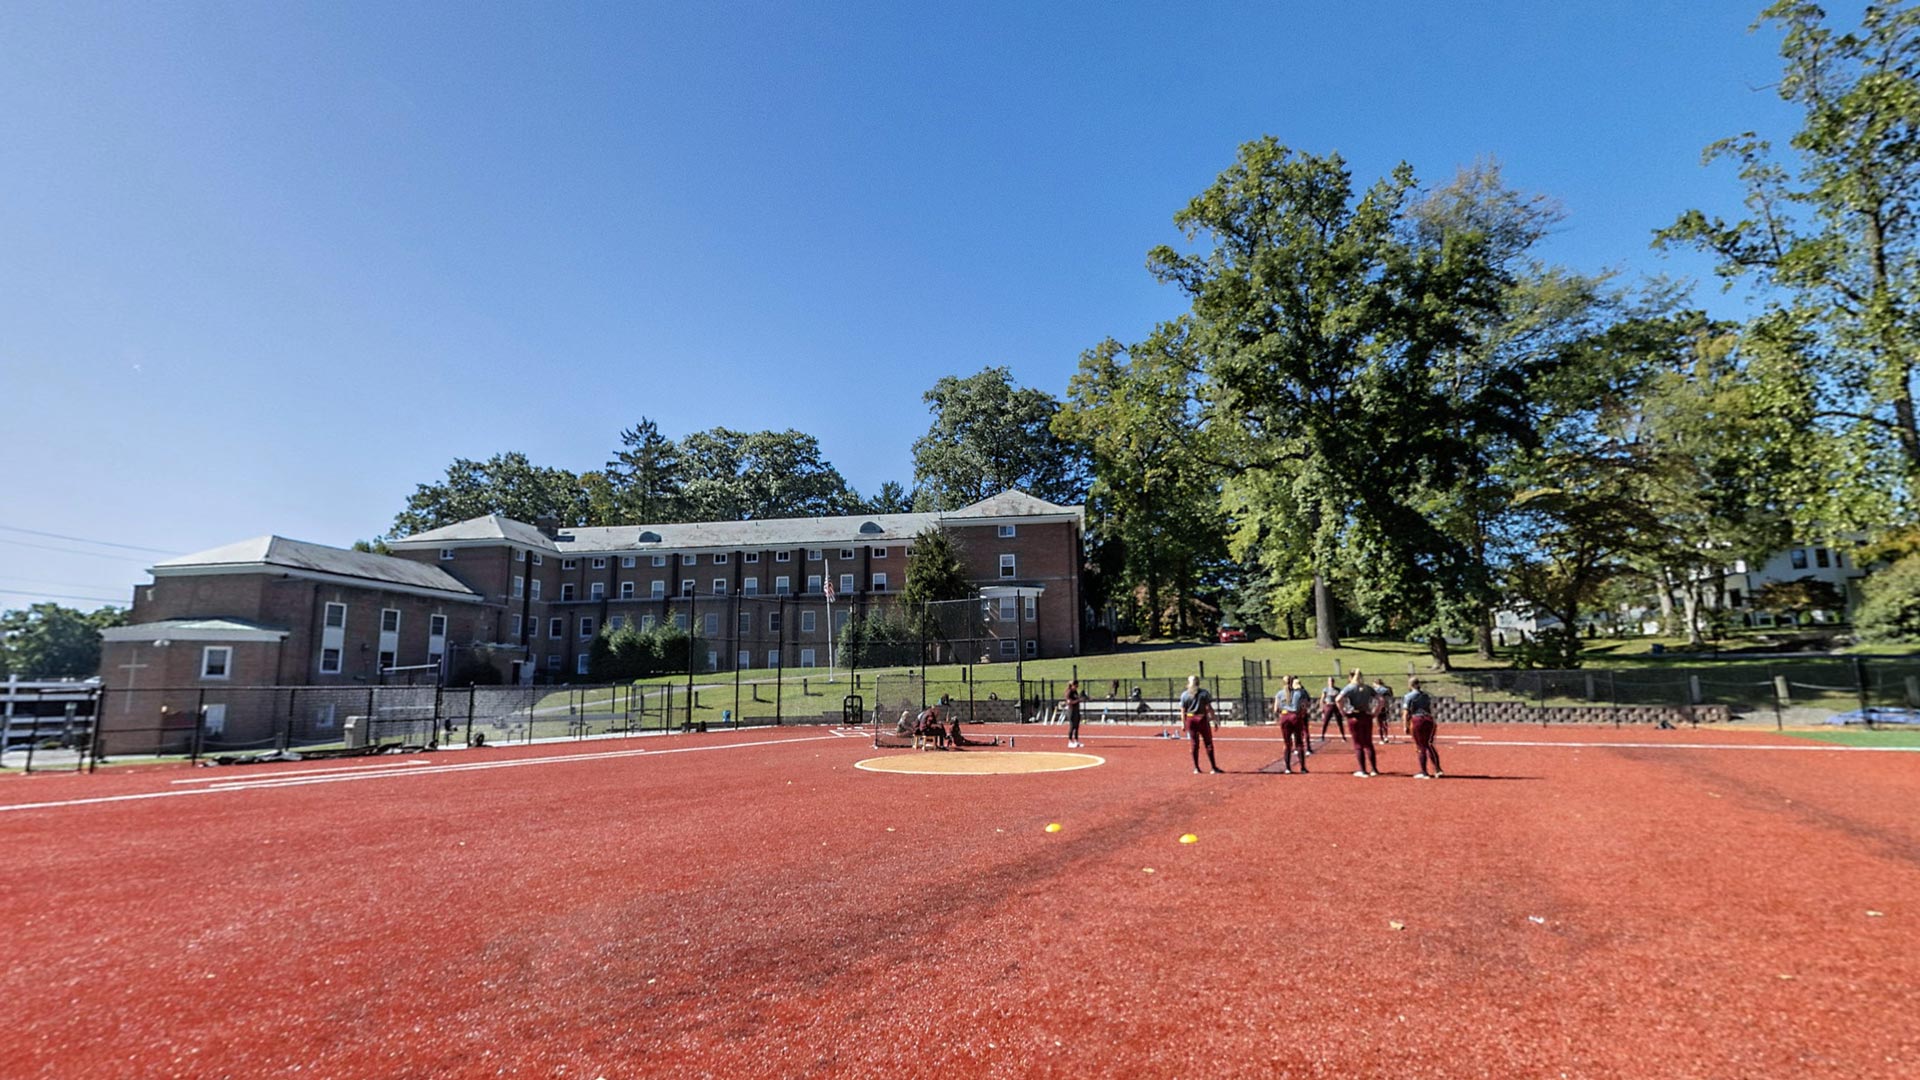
{"points": [[936, 580], [989, 436], [1321, 316], [1834, 240], [1155, 495], [506, 484], [740, 475], [49, 641]]}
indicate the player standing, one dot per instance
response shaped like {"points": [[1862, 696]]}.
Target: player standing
{"points": [[1290, 709], [1071, 703], [1357, 701], [1196, 708], [1383, 709], [1330, 711], [1418, 706]]}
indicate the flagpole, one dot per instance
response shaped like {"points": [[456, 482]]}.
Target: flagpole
{"points": [[826, 586]]}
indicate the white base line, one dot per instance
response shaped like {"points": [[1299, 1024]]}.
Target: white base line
{"points": [[1810, 745], [386, 772]]}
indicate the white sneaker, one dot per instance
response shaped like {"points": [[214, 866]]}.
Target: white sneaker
{"points": [[1363, 775], [1421, 776]]}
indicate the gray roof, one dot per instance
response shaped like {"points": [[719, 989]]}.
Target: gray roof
{"points": [[278, 551], [212, 629], [770, 533]]}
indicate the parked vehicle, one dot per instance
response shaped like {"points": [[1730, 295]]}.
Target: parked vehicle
{"points": [[1232, 634]]}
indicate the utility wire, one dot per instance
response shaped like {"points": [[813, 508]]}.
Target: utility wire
{"points": [[67, 596], [84, 540], [73, 551]]}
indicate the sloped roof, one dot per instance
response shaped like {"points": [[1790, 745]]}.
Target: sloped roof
{"points": [[278, 551], [213, 629], [768, 533]]}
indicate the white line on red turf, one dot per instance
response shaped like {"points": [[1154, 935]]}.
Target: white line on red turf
{"points": [[369, 773]]}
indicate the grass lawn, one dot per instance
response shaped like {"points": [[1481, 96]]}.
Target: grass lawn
{"points": [[1851, 736]]}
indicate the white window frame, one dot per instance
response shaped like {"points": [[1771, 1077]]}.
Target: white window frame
{"points": [[750, 586], [807, 622], [773, 658], [439, 621], [751, 556], [516, 627], [879, 583], [226, 663], [846, 554], [566, 591], [659, 560], [719, 586], [720, 558], [1033, 647], [689, 560], [597, 591], [679, 620], [569, 564], [783, 556], [658, 590], [615, 622], [626, 590], [395, 628], [599, 562], [326, 619], [646, 623], [687, 586], [743, 659], [813, 584], [553, 661], [627, 562], [773, 622], [782, 585], [1009, 608], [338, 656], [878, 553], [519, 554], [1009, 566], [1009, 647], [846, 584], [1032, 606], [535, 585], [813, 555], [580, 663], [556, 628], [519, 586], [587, 628], [538, 559], [745, 622], [710, 624], [1007, 532], [806, 658], [446, 554]]}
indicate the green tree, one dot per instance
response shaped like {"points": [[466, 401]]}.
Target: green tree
{"points": [[505, 484], [1834, 243], [1322, 317], [892, 498], [739, 476], [645, 476], [935, 579], [990, 436], [1798, 597], [1890, 603], [1136, 416], [48, 641]]}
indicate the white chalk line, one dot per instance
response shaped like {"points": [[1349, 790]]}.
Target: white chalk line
{"points": [[385, 771]]}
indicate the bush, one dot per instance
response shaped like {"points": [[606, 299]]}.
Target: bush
{"points": [[1890, 603]]}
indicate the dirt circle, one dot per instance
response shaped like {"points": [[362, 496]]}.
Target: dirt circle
{"points": [[981, 763]]}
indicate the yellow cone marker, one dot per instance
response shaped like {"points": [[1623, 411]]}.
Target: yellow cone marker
{"points": [[1189, 839], [1053, 827]]}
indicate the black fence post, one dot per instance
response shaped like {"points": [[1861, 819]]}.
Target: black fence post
{"points": [[93, 744], [199, 726], [1860, 684]]}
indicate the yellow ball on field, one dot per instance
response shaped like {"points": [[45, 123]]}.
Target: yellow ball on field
{"points": [[1189, 839], [1054, 827]]}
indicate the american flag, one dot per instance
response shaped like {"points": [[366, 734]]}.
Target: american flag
{"points": [[826, 583]]}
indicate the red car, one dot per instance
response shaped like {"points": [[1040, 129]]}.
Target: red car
{"points": [[1232, 634]]}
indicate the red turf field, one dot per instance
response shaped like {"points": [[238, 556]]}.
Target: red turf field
{"points": [[751, 905]]}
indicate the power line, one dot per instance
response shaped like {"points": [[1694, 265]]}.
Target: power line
{"points": [[73, 551], [66, 596], [84, 540], [40, 581]]}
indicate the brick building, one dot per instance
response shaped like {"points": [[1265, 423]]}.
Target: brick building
{"points": [[529, 600]]}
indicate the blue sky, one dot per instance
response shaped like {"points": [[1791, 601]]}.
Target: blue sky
{"points": [[264, 268]]}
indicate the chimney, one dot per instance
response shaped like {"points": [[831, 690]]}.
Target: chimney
{"points": [[548, 525]]}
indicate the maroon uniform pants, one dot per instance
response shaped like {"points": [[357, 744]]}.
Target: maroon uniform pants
{"points": [[1361, 729], [1423, 729], [1200, 730], [1330, 714], [1293, 728]]}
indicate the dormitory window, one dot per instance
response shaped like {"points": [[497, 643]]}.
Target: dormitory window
{"points": [[806, 622], [846, 583], [686, 587], [626, 562], [658, 590], [389, 620], [537, 559], [710, 624], [746, 622], [1798, 557], [336, 616], [536, 588], [806, 657], [615, 622], [813, 584], [1008, 647], [516, 628], [646, 623], [586, 628], [879, 583], [1006, 566], [720, 559], [569, 564], [744, 659], [556, 628], [580, 667], [781, 586], [1008, 608], [1032, 614], [597, 590], [553, 661], [750, 586], [566, 590], [773, 658], [879, 553], [689, 560], [519, 586], [719, 586], [813, 554], [626, 590], [216, 662], [1820, 558], [659, 560], [783, 556], [600, 563], [329, 661], [845, 554], [751, 556], [446, 554], [436, 626], [1006, 532], [773, 622], [519, 555]]}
